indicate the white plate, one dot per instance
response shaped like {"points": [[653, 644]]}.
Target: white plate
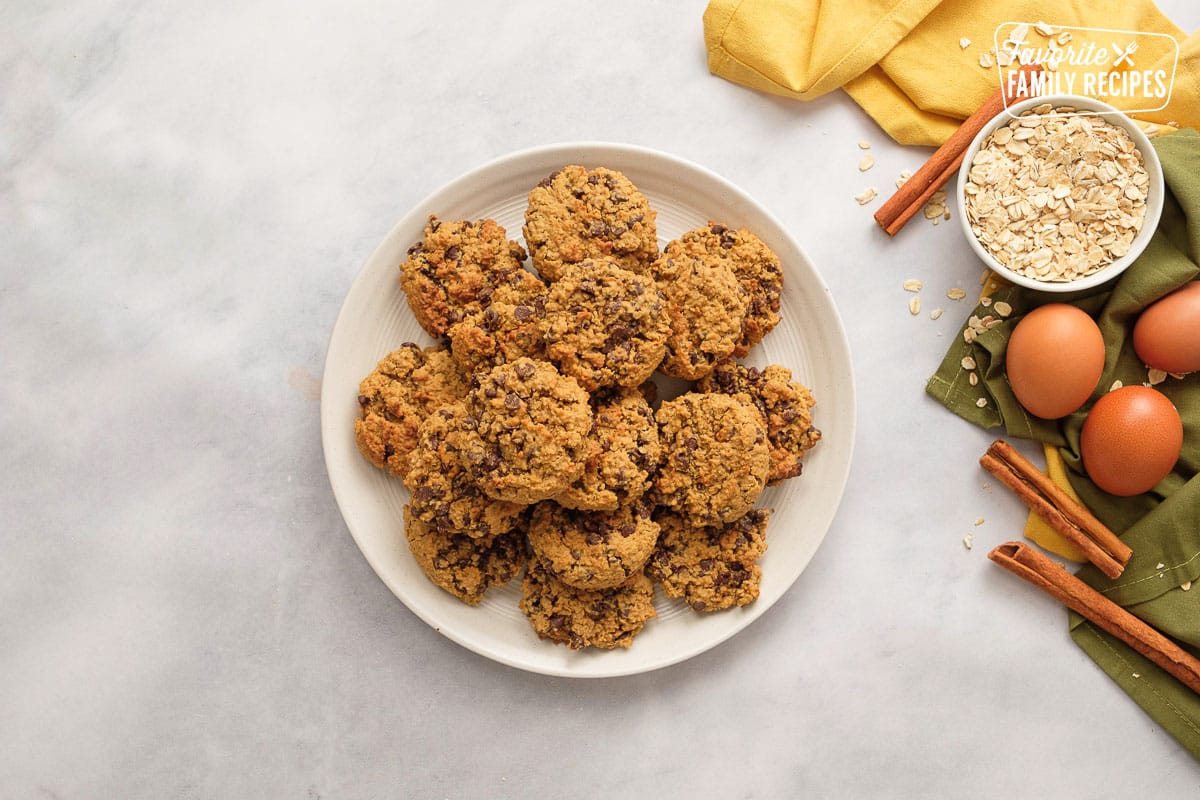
{"points": [[375, 319]]}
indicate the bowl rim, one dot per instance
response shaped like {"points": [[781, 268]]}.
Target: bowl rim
{"points": [[1154, 195]]}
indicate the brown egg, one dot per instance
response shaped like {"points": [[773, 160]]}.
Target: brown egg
{"points": [[1167, 334], [1054, 360], [1130, 440]]}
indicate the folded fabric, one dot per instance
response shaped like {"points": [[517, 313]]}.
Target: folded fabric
{"points": [[1162, 526], [904, 61]]}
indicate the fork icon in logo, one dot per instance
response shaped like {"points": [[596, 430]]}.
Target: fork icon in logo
{"points": [[1124, 54]]}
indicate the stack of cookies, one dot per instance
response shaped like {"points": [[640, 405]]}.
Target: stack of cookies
{"points": [[531, 437]]}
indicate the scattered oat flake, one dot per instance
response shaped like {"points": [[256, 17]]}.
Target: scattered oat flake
{"points": [[1186, 586], [1117, 384], [1160, 565], [1063, 38], [946, 216], [914, 305], [935, 314], [969, 541], [985, 60], [973, 378], [864, 145], [865, 196], [1156, 376], [1044, 28], [912, 285], [964, 43], [981, 402], [968, 362], [903, 179], [1137, 674], [955, 293], [979, 522], [1003, 309], [867, 162], [986, 302]]}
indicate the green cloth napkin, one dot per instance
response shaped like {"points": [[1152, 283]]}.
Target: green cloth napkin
{"points": [[1163, 525]]}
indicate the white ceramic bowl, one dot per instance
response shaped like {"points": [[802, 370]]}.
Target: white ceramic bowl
{"points": [[1154, 194]]}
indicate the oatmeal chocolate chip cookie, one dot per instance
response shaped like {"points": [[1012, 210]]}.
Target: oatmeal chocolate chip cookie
{"points": [[623, 453], [706, 310], [605, 325], [463, 566], [715, 457], [454, 269], [525, 434], [576, 214], [506, 329], [710, 567], [443, 494], [578, 618], [406, 386], [785, 404], [757, 269], [592, 549]]}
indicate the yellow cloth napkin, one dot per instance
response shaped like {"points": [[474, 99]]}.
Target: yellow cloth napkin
{"points": [[901, 60], [1037, 530]]}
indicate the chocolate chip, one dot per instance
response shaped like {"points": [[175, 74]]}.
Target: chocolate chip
{"points": [[593, 180], [525, 369], [490, 392], [453, 252], [363, 399], [512, 402], [522, 313], [557, 621], [423, 494]]}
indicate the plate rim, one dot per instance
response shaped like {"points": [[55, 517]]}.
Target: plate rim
{"points": [[571, 150]]}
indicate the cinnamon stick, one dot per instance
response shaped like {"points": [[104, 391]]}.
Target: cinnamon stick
{"points": [[1070, 519], [942, 165], [1049, 576]]}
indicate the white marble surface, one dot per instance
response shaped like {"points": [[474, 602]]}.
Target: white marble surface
{"points": [[187, 192]]}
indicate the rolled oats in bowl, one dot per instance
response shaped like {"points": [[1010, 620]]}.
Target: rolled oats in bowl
{"points": [[1060, 193]]}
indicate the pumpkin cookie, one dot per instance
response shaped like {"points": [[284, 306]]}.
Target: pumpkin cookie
{"points": [[443, 494], [592, 549], [756, 267], [576, 214], [706, 309], [578, 618], [525, 435], [463, 566], [454, 268], [506, 329], [785, 404], [406, 386], [623, 453], [715, 457], [605, 325], [711, 568]]}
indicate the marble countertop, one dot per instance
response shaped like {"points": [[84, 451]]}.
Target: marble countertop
{"points": [[187, 191]]}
